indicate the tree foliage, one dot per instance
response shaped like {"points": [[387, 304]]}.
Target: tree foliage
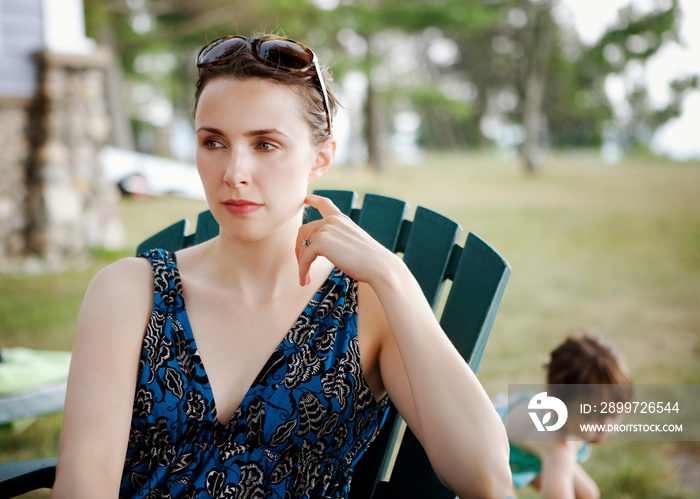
{"points": [[509, 72], [622, 52]]}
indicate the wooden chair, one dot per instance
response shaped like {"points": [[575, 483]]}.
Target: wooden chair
{"points": [[395, 466]]}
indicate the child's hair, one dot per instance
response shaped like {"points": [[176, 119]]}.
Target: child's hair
{"points": [[586, 358]]}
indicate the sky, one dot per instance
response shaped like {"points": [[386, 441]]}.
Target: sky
{"points": [[680, 138]]}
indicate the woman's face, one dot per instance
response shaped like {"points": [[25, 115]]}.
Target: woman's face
{"points": [[255, 156]]}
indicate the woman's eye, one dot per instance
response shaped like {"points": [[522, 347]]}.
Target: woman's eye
{"points": [[266, 146], [211, 144]]}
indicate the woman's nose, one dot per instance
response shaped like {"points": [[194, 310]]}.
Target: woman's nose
{"points": [[237, 171]]}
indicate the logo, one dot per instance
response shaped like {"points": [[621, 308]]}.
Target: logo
{"points": [[542, 402]]}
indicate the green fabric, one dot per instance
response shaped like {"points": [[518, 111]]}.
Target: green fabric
{"points": [[25, 369]]}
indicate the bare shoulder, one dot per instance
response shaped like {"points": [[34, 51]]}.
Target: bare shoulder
{"points": [[114, 314], [133, 274], [131, 267], [122, 291]]}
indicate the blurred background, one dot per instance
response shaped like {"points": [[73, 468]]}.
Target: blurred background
{"points": [[565, 133]]}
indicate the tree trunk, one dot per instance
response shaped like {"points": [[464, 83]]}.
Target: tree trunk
{"points": [[539, 45], [532, 118], [375, 119], [376, 130], [122, 135]]}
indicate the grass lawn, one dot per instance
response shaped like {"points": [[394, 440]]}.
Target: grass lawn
{"points": [[615, 248]]}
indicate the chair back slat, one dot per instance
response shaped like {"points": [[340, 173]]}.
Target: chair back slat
{"points": [[171, 238], [344, 200], [480, 280], [176, 237], [428, 250], [207, 227], [382, 217]]}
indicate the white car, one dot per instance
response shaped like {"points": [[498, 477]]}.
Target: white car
{"points": [[143, 174]]}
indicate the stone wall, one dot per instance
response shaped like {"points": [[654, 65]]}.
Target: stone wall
{"points": [[14, 152], [68, 204]]}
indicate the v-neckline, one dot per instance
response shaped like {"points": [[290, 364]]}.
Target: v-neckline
{"points": [[206, 383]]}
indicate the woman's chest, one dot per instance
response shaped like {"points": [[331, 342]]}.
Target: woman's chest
{"points": [[234, 343]]}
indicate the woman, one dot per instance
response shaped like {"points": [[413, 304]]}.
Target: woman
{"points": [[288, 401]]}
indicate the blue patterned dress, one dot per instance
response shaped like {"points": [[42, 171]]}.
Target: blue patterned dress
{"points": [[299, 431]]}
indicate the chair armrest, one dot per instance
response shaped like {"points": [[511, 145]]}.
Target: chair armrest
{"points": [[23, 476]]}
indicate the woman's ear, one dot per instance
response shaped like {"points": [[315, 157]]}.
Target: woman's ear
{"points": [[324, 158]]}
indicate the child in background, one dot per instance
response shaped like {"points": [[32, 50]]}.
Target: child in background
{"points": [[553, 467]]}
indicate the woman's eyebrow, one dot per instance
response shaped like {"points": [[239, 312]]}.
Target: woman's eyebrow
{"points": [[250, 133], [265, 131], [209, 129]]}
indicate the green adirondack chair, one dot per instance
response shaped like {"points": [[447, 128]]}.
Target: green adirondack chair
{"points": [[395, 466]]}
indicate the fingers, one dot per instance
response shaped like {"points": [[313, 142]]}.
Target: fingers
{"points": [[305, 252], [313, 240], [324, 205]]}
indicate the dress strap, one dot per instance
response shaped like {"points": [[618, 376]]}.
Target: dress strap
{"points": [[166, 275]]}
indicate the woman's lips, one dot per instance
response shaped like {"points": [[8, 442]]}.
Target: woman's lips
{"points": [[241, 206]]}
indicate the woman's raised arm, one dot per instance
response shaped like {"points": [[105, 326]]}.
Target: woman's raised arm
{"points": [[432, 386]]}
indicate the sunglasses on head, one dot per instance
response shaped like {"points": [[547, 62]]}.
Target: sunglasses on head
{"points": [[281, 53]]}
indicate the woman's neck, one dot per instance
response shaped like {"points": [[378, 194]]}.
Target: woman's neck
{"points": [[260, 270], [269, 263]]}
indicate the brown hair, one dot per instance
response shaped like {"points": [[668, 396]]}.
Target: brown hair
{"points": [[587, 358], [246, 66]]}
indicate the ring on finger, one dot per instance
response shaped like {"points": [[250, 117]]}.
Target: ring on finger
{"points": [[306, 242]]}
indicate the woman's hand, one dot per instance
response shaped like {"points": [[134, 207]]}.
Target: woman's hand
{"points": [[340, 240]]}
